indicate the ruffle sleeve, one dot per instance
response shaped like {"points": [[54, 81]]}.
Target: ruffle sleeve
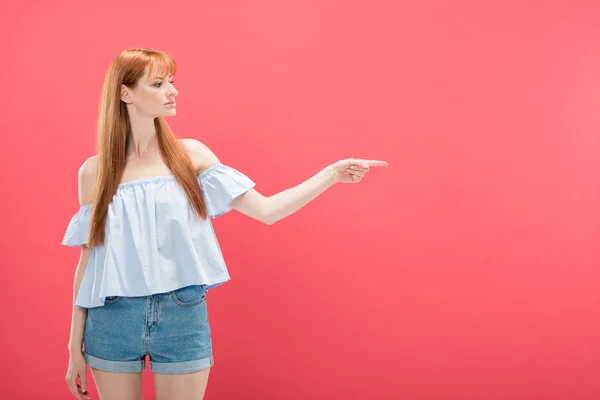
{"points": [[220, 185], [79, 227]]}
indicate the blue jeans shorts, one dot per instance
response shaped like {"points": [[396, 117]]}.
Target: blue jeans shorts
{"points": [[171, 328]]}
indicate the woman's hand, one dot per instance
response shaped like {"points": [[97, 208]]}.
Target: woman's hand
{"points": [[352, 170], [77, 368]]}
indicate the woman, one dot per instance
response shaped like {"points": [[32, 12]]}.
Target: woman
{"points": [[148, 251]]}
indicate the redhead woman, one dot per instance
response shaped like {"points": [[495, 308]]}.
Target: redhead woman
{"points": [[149, 254]]}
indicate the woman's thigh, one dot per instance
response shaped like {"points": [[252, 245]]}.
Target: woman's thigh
{"points": [[191, 386], [118, 385]]}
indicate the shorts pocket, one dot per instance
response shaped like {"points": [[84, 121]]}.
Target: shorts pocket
{"points": [[189, 295], [112, 299]]}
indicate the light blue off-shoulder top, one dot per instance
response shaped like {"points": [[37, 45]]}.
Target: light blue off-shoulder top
{"points": [[154, 243]]}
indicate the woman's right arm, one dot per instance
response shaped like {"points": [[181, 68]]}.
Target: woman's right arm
{"points": [[77, 365], [79, 314], [86, 177]]}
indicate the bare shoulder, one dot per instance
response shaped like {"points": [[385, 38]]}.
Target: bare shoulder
{"points": [[86, 177], [202, 157]]}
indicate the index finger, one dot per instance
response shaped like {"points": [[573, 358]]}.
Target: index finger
{"points": [[375, 163]]}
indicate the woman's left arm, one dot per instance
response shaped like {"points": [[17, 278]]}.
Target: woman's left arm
{"points": [[274, 208]]}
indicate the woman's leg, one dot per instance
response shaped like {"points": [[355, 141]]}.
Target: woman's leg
{"points": [[114, 348], [118, 385], [191, 386]]}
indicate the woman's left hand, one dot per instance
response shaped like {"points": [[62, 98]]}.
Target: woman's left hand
{"points": [[352, 170]]}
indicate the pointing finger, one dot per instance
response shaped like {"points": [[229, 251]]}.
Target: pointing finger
{"points": [[375, 163]]}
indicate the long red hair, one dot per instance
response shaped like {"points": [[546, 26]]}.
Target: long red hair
{"points": [[114, 133]]}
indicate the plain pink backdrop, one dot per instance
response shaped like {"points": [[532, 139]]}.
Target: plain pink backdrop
{"points": [[466, 269]]}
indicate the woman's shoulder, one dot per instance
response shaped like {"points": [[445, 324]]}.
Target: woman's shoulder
{"points": [[86, 177], [202, 157]]}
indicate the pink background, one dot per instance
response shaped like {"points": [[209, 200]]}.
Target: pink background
{"points": [[466, 269]]}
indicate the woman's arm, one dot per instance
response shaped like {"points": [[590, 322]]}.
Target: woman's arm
{"points": [[274, 208], [86, 176], [79, 314]]}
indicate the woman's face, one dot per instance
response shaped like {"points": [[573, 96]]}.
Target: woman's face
{"points": [[152, 96]]}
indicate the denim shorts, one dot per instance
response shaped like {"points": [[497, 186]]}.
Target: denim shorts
{"points": [[171, 328]]}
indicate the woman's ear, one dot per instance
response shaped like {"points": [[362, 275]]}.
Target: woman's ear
{"points": [[125, 94]]}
